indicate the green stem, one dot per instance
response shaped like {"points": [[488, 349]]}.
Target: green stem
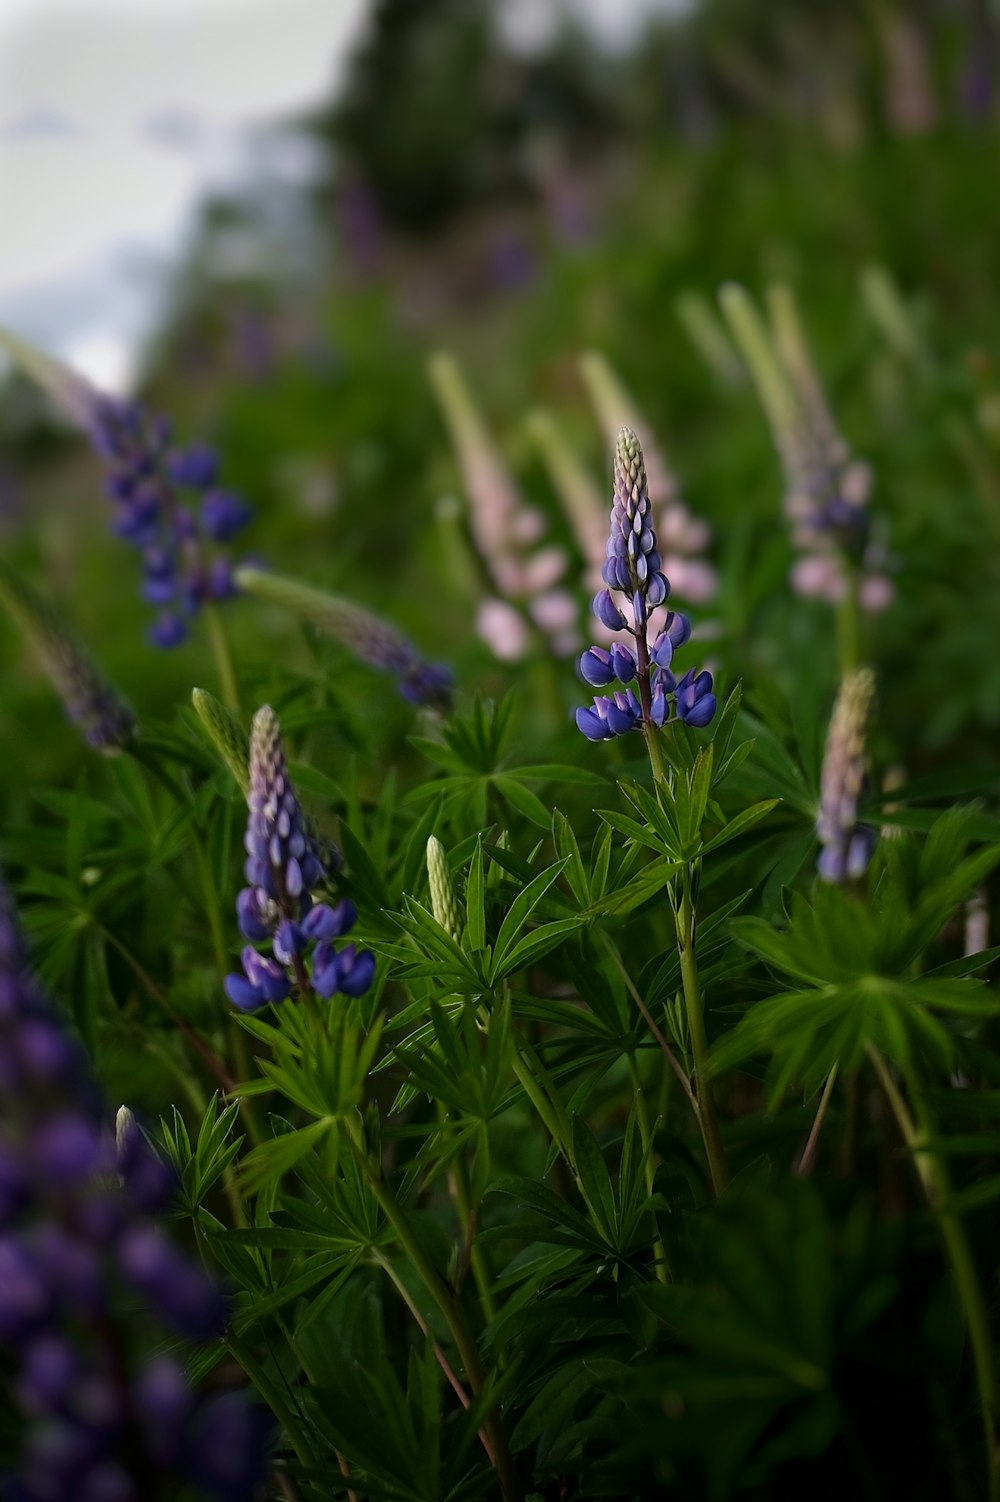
{"points": [[805, 1163], [275, 1400], [849, 625], [450, 1310], [917, 1131], [699, 1042], [462, 1191], [442, 1360], [533, 1079], [223, 657], [642, 1116], [651, 1023]]}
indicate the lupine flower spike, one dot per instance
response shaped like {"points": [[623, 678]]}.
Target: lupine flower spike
{"points": [[167, 500], [99, 1412], [89, 700], [682, 538], [227, 735], [525, 572], [847, 845], [632, 568], [444, 900], [285, 865], [827, 489], [373, 640]]}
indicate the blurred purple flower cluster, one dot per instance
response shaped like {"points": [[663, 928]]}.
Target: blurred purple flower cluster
{"points": [[170, 507], [83, 1273]]}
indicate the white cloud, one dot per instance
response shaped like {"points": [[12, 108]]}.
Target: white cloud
{"points": [[154, 101]]}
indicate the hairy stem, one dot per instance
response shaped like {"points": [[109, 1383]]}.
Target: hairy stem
{"points": [[699, 1042], [642, 1116]]}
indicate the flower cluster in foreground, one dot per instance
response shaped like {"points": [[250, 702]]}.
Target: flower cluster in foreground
{"points": [[170, 507], [101, 1417], [633, 568], [285, 865]]}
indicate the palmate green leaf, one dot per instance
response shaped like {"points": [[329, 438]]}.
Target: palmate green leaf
{"points": [[522, 798], [805, 1032], [568, 849], [533, 946], [648, 883], [637, 832], [595, 1181], [269, 1161], [967, 964], [520, 911], [739, 825], [558, 1222]]}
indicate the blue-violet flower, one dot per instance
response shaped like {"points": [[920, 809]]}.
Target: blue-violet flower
{"points": [[285, 864], [632, 567]]}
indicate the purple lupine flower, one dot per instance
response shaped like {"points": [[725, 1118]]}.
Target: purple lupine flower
{"points": [[632, 567], [847, 845], [169, 507], [286, 862], [827, 489], [96, 1416], [505, 531]]}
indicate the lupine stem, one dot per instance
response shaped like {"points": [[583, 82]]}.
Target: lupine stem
{"points": [[849, 626], [223, 657], [685, 919], [442, 1360], [642, 1116], [449, 1308], [917, 1131], [274, 1399], [805, 1163]]}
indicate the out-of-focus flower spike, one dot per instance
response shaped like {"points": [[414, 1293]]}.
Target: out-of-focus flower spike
{"points": [[444, 899], [755, 344], [504, 530], [226, 734], [372, 639], [793, 351], [494, 497], [893, 319], [847, 846], [617, 408], [103, 716], [581, 499], [705, 331]]}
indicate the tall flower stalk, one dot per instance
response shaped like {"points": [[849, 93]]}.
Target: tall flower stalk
{"points": [[841, 557], [526, 575], [632, 568], [682, 537]]}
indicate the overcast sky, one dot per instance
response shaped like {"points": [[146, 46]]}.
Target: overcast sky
{"points": [[117, 115]]}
